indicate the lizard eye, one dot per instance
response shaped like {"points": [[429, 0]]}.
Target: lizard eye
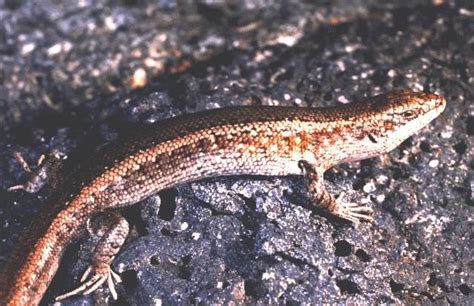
{"points": [[409, 114]]}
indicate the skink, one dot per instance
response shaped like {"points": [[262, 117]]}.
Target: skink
{"points": [[250, 140]]}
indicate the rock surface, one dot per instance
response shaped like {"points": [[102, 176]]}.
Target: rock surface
{"points": [[76, 74]]}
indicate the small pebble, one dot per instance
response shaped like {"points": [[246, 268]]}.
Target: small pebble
{"points": [[433, 163], [139, 78]]}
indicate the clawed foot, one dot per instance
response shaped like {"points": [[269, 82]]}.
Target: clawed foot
{"points": [[44, 172], [353, 212], [98, 275]]}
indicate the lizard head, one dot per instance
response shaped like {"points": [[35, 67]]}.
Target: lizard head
{"points": [[400, 114]]}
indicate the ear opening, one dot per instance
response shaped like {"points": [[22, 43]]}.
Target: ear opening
{"points": [[372, 138]]}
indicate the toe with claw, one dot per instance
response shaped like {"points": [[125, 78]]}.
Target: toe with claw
{"points": [[354, 212], [92, 279]]}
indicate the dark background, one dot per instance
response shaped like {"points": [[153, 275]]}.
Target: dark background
{"points": [[70, 80]]}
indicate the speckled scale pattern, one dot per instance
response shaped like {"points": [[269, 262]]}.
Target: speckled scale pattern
{"points": [[253, 140]]}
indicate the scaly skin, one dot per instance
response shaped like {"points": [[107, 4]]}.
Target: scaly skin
{"points": [[253, 140]]}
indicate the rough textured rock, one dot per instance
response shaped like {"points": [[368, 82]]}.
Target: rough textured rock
{"points": [[75, 75]]}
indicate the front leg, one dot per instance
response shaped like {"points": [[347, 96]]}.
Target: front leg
{"points": [[319, 195]]}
